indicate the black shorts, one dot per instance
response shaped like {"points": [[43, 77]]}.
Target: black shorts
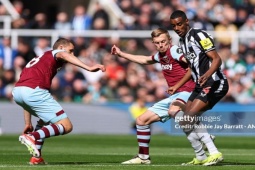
{"points": [[211, 94]]}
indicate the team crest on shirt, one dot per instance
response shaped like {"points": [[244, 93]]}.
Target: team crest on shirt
{"points": [[166, 59], [206, 43]]}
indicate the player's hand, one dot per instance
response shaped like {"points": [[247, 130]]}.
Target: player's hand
{"points": [[28, 129], [115, 50], [171, 90], [203, 79], [97, 67]]}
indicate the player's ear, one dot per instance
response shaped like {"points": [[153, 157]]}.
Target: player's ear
{"points": [[60, 47], [187, 21], [170, 39]]}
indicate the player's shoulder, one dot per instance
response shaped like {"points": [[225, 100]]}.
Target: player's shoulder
{"points": [[199, 32], [196, 30], [174, 49], [57, 51], [173, 46]]}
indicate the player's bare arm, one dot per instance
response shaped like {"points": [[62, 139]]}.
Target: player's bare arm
{"points": [[141, 59], [186, 77], [28, 124], [184, 60], [216, 63], [75, 61]]}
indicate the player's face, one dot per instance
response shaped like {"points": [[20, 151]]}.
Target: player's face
{"points": [[161, 42], [180, 26]]}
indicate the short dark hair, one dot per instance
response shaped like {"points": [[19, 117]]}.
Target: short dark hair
{"points": [[62, 41], [177, 14]]}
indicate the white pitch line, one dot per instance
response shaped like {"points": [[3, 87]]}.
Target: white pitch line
{"points": [[118, 154], [103, 165]]}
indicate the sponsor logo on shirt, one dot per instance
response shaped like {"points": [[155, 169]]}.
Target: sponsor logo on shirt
{"points": [[206, 43], [167, 67], [190, 56]]}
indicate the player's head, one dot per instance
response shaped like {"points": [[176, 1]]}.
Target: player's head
{"points": [[64, 44], [161, 39], [179, 22]]}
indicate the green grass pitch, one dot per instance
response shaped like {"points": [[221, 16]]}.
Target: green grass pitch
{"points": [[107, 151]]}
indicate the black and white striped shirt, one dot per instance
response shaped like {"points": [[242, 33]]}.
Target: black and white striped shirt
{"points": [[195, 45]]}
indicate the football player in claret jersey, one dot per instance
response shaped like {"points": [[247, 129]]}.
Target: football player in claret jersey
{"points": [[31, 92], [173, 68], [211, 84]]}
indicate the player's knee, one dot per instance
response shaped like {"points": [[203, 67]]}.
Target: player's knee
{"points": [[185, 122], [178, 104], [139, 121], [68, 128], [187, 126], [172, 112], [67, 125]]}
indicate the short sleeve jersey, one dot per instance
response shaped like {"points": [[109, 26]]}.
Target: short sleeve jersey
{"points": [[195, 45], [40, 71], [173, 68]]}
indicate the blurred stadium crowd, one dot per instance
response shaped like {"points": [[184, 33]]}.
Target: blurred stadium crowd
{"points": [[125, 81]]}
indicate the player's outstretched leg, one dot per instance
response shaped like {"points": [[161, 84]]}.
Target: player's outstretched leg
{"points": [[143, 138]]}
